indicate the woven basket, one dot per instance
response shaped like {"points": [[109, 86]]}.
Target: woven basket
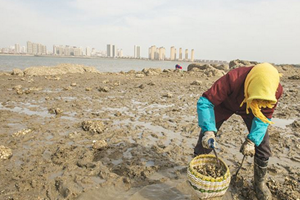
{"points": [[206, 186]]}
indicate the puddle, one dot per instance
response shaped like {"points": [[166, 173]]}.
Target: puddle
{"points": [[159, 191], [282, 123], [56, 174], [150, 163], [283, 161], [30, 109], [165, 135], [49, 90], [127, 154], [69, 98], [117, 162], [97, 180], [42, 112]]}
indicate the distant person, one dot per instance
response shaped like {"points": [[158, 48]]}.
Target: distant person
{"points": [[178, 67], [253, 93]]}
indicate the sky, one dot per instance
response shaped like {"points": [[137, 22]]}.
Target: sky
{"points": [[256, 30]]}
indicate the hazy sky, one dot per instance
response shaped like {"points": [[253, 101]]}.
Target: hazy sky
{"points": [[260, 30]]}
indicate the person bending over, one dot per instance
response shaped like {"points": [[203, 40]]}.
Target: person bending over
{"points": [[253, 93]]}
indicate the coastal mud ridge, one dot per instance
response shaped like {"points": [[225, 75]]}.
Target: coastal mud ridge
{"points": [[70, 132]]}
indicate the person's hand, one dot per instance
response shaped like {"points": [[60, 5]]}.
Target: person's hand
{"points": [[209, 140], [248, 148]]}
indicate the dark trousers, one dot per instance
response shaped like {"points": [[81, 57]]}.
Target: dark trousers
{"points": [[262, 151]]}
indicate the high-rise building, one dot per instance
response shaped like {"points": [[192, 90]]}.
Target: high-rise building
{"points": [[94, 52], [29, 47], [180, 53], [76, 51], [173, 53], [36, 49], [23, 49], [137, 52], [186, 54], [162, 53], [109, 50], [134, 51], [17, 48], [68, 51], [152, 52], [42, 49], [120, 53], [192, 55], [114, 51], [88, 51], [156, 54], [54, 50]]}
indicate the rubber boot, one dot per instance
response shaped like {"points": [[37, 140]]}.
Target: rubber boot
{"points": [[261, 189]]}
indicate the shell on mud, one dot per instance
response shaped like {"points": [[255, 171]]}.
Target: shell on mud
{"points": [[211, 170], [22, 132]]}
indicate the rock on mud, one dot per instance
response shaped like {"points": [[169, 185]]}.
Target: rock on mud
{"points": [[93, 126], [5, 153], [99, 144], [55, 111], [58, 70]]}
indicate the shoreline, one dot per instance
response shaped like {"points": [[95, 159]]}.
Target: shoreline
{"points": [[122, 58]]}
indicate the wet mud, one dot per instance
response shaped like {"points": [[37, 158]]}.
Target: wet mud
{"points": [[128, 135]]}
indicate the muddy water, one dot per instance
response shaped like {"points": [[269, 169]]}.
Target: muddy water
{"points": [[150, 132]]}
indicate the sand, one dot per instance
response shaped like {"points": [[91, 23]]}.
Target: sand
{"points": [[128, 135]]}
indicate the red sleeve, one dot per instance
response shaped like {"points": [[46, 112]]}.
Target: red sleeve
{"points": [[219, 91]]}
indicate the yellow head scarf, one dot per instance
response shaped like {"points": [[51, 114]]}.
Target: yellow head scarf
{"points": [[260, 88]]}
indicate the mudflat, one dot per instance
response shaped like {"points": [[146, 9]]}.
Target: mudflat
{"points": [[128, 135]]}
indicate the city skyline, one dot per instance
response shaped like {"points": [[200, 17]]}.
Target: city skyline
{"points": [[260, 30], [111, 51]]}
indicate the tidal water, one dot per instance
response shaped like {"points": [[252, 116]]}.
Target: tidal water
{"points": [[8, 63]]}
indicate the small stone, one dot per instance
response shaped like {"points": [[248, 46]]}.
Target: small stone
{"points": [[168, 95], [55, 111], [67, 88], [142, 86], [17, 72], [196, 82], [103, 89], [99, 144], [139, 75]]}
